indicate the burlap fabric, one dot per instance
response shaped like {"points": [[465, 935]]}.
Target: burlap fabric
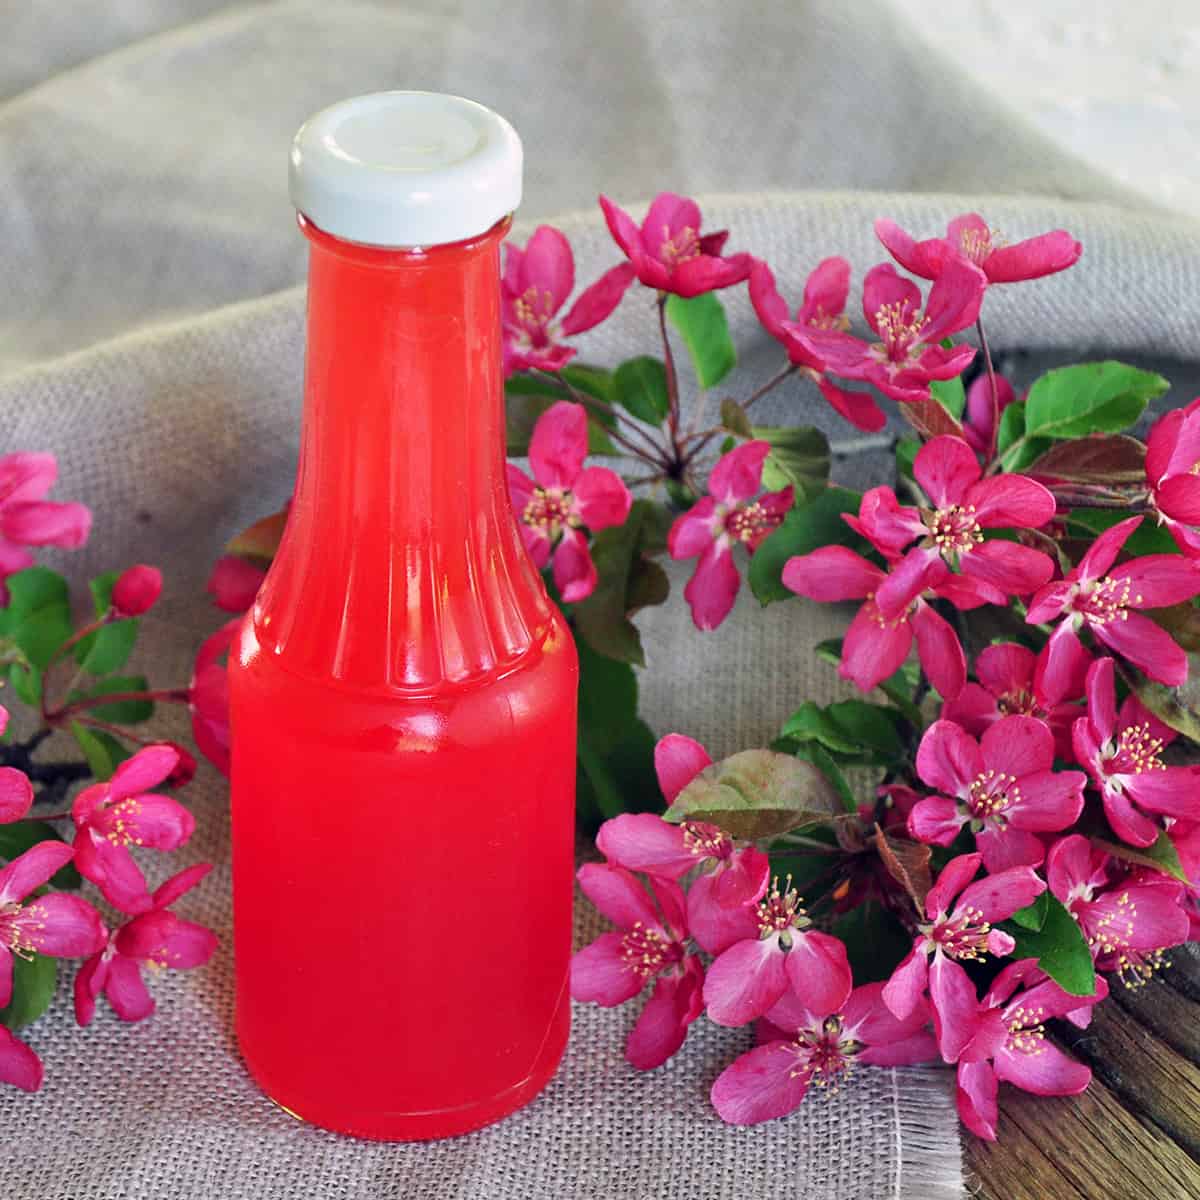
{"points": [[145, 238]]}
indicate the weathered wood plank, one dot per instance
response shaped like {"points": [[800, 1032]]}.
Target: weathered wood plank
{"points": [[1166, 1011], [1087, 1146], [1150, 1077]]}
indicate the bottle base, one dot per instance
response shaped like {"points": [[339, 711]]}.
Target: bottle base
{"points": [[384, 1126]]}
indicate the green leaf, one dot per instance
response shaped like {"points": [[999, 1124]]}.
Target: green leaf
{"points": [[627, 580], [593, 381], [123, 712], [810, 723], [20, 836], [875, 941], [757, 794], [899, 688], [950, 394], [608, 693], [1060, 948], [871, 725], [820, 758], [109, 648], [526, 398], [1162, 856], [702, 325], [1147, 538], [38, 616], [799, 457], [624, 779], [906, 454], [818, 523], [34, 982], [641, 385], [102, 751], [734, 418], [1101, 397], [1033, 916], [1012, 425], [27, 683]]}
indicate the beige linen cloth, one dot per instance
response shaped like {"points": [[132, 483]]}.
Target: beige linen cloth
{"points": [[151, 335]]}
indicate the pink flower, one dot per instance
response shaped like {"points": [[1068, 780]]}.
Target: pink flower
{"points": [[1172, 459], [958, 932], [56, 923], [110, 817], [156, 938], [907, 355], [563, 497], [876, 645], [28, 520], [823, 308], [810, 1049], [1011, 1044], [731, 874], [234, 583], [1106, 601], [1123, 754], [208, 695], [968, 239], [645, 946], [977, 425], [1002, 786], [719, 521], [19, 1065], [669, 253], [964, 505], [1127, 923], [778, 949], [136, 590], [536, 284], [1006, 688]]}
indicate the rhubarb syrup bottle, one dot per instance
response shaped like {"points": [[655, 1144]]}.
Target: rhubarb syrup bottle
{"points": [[403, 692]]}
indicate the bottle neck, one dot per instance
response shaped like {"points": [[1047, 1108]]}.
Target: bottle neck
{"points": [[402, 565]]}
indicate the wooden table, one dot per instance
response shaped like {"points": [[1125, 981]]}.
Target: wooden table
{"points": [[1135, 1133]]}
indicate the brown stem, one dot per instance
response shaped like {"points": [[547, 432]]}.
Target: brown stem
{"points": [[758, 394], [995, 391], [170, 695]]}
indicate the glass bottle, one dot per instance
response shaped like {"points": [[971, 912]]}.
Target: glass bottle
{"points": [[403, 691]]}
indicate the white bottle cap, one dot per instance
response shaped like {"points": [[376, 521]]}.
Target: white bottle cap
{"points": [[405, 169]]}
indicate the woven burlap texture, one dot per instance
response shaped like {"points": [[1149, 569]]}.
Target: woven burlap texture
{"points": [[151, 334]]}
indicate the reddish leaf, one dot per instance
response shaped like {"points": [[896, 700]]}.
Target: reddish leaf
{"points": [[1101, 458], [261, 540], [930, 419], [908, 864]]}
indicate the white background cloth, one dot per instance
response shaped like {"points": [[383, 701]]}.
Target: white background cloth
{"points": [[151, 334]]}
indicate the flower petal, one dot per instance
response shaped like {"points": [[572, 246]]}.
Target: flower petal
{"points": [[714, 925], [1046, 1071], [1033, 258], [126, 990], [549, 265], [625, 233], [165, 940], [673, 1005], [1179, 497], [884, 287], [955, 1006], [678, 759], [1159, 580], [559, 444], [998, 896], [744, 981], [16, 794], [946, 467], [951, 880], [618, 895], [713, 587], [19, 1065], [150, 820], [1016, 570], [976, 1096], [1049, 801], [738, 474], [1010, 847], [949, 759], [145, 770], [1018, 746], [61, 925], [1061, 665], [1104, 550], [769, 306], [904, 992], [693, 532], [874, 648], [601, 498], [826, 290], [32, 869], [859, 408], [940, 652], [936, 820], [954, 300], [760, 1085], [645, 842], [597, 302], [921, 258], [920, 568], [575, 574], [1172, 791], [830, 574], [819, 971], [46, 523], [1146, 645], [1129, 823], [600, 973], [112, 869], [234, 583]]}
